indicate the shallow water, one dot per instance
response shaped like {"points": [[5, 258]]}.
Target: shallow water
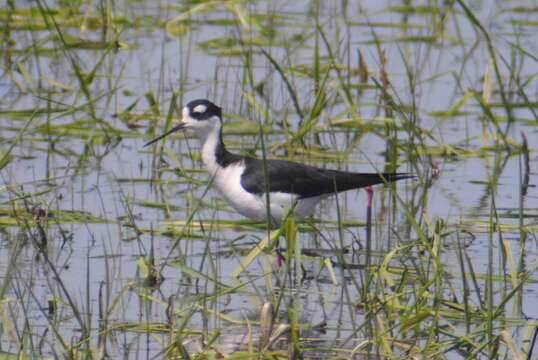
{"points": [[90, 158]]}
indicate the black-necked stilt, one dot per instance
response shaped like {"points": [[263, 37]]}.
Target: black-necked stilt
{"points": [[244, 181]]}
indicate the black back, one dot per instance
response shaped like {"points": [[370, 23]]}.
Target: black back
{"points": [[307, 181]]}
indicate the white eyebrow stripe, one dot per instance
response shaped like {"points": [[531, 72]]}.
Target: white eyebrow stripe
{"points": [[199, 109]]}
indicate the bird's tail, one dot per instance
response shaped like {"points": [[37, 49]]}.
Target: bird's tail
{"points": [[367, 179]]}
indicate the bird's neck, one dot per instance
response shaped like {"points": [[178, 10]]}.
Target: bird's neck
{"points": [[213, 149]]}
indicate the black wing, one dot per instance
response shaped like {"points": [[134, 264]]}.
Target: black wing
{"points": [[307, 181]]}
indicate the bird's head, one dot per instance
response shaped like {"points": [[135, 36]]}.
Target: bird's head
{"points": [[200, 117]]}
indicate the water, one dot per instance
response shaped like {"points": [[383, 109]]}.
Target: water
{"points": [[75, 162]]}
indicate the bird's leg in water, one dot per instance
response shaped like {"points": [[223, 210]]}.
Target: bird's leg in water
{"points": [[370, 193]]}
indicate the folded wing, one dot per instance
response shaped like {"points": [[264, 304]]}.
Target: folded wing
{"points": [[308, 181]]}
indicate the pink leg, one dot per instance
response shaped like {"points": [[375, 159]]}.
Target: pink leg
{"points": [[370, 195], [370, 192], [279, 259]]}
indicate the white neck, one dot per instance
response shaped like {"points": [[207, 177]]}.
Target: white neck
{"points": [[210, 140]]}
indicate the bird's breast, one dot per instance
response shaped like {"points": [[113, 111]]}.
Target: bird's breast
{"points": [[228, 181], [254, 206]]}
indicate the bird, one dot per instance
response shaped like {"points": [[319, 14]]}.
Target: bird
{"points": [[264, 189]]}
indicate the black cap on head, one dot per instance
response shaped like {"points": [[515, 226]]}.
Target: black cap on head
{"points": [[203, 109]]}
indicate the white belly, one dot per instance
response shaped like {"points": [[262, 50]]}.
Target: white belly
{"points": [[228, 181]]}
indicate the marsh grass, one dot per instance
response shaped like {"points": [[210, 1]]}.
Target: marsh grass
{"points": [[108, 248]]}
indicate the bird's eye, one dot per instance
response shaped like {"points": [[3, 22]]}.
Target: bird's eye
{"points": [[199, 109]]}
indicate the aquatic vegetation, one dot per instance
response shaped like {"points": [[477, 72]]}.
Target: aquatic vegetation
{"points": [[108, 248]]}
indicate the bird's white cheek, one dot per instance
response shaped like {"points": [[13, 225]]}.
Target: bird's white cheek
{"points": [[198, 130], [204, 127], [191, 126], [190, 131]]}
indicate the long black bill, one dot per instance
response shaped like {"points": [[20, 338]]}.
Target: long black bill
{"points": [[173, 130]]}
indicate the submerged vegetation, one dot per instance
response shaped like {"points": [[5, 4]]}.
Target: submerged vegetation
{"points": [[110, 249]]}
